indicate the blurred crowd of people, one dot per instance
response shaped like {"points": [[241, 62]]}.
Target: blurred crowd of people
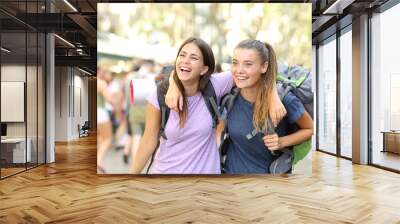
{"points": [[120, 124]]}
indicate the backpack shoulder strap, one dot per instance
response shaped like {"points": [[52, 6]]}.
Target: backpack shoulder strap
{"points": [[268, 128], [226, 105], [227, 102], [164, 109], [211, 101]]}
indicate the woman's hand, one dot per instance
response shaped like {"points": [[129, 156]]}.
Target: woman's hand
{"points": [[272, 142], [277, 111], [173, 98]]}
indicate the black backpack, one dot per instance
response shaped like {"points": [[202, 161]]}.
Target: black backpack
{"points": [[210, 99]]}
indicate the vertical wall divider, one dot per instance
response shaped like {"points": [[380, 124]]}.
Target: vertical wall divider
{"points": [[26, 87], [37, 90], [317, 96], [69, 92], [338, 99], [45, 85], [369, 81], [44, 80], [73, 94], [60, 88]]}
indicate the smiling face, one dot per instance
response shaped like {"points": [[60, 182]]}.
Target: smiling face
{"points": [[189, 63], [247, 67]]}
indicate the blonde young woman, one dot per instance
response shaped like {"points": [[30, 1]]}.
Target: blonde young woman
{"points": [[254, 70]]}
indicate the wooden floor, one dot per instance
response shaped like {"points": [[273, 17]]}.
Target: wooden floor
{"points": [[70, 191], [388, 159], [5, 172], [10, 171]]}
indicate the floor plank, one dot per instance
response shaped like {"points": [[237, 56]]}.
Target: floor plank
{"points": [[70, 191]]}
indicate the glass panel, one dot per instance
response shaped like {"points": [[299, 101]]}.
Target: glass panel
{"points": [[22, 68], [327, 97], [346, 94], [386, 89], [13, 72]]}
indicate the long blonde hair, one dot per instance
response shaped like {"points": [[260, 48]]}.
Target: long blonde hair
{"points": [[266, 84]]}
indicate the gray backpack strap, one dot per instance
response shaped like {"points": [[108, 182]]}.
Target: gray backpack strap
{"points": [[210, 98], [164, 118], [227, 103], [214, 106], [268, 128], [252, 134], [164, 109]]}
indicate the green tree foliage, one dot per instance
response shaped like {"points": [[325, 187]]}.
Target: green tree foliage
{"points": [[286, 26]]}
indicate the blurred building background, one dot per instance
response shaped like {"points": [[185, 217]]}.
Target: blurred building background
{"points": [[138, 30]]}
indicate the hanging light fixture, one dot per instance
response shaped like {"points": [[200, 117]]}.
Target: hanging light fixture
{"points": [[5, 50]]}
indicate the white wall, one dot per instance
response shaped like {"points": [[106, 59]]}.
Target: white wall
{"points": [[13, 73], [61, 103], [69, 85]]}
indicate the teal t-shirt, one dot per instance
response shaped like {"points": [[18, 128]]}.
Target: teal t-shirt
{"points": [[252, 156]]}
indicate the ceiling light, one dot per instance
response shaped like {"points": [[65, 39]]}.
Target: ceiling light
{"points": [[337, 7], [71, 6], [5, 50], [86, 72], [64, 40]]}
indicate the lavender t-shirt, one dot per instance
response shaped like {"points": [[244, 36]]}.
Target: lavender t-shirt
{"points": [[193, 148]]}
